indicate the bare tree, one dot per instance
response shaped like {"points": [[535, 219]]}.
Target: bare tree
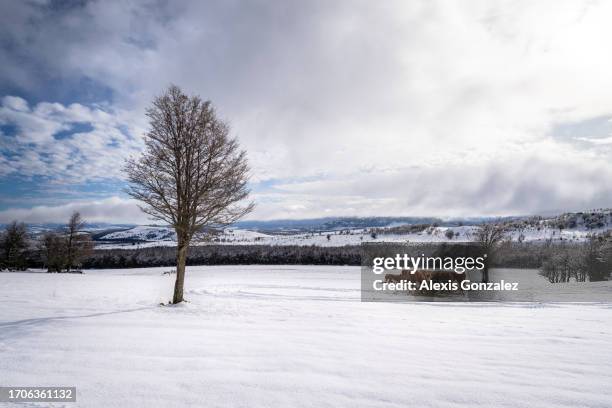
{"points": [[64, 250], [53, 249], [598, 257], [78, 243], [565, 261], [490, 236], [14, 243], [192, 175]]}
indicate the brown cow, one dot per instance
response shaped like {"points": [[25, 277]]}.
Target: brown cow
{"points": [[404, 275], [436, 276]]}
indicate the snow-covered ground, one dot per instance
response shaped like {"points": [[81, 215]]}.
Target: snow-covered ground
{"points": [[287, 336], [164, 236]]}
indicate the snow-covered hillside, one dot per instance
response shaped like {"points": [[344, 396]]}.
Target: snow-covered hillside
{"points": [[286, 336], [145, 236], [143, 233]]}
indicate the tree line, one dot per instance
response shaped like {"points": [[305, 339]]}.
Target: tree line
{"points": [[590, 261], [57, 251], [226, 255]]}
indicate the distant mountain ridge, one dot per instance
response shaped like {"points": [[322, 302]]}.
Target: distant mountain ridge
{"points": [[332, 223], [283, 225]]}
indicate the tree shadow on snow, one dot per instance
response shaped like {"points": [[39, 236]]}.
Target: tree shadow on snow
{"points": [[25, 323]]}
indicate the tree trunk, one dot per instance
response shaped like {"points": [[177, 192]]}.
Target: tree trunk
{"points": [[181, 259], [69, 266], [485, 274]]}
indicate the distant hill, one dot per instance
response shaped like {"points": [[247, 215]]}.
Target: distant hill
{"points": [[340, 231], [332, 223]]}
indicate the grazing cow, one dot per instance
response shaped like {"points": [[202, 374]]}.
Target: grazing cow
{"points": [[404, 275]]}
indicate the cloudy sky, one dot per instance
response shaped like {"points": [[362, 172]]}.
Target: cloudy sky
{"points": [[448, 108]]}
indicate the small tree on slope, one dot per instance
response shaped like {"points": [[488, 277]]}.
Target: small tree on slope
{"points": [[192, 174]]}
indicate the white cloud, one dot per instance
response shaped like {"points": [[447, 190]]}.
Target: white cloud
{"points": [[112, 209], [597, 141], [531, 184], [361, 96], [15, 103], [33, 147]]}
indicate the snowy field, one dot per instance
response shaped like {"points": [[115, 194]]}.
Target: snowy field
{"points": [[285, 336]]}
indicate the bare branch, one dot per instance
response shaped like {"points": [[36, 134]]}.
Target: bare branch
{"points": [[192, 174]]}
